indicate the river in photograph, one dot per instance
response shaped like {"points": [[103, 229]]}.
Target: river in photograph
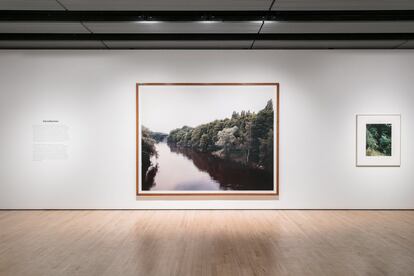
{"points": [[183, 169]]}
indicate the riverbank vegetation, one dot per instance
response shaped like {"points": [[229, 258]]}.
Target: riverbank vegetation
{"points": [[148, 141], [246, 137], [147, 151]]}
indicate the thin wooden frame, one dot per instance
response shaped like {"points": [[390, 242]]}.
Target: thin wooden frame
{"points": [[276, 178]]}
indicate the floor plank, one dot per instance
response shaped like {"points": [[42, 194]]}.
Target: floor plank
{"points": [[206, 243]]}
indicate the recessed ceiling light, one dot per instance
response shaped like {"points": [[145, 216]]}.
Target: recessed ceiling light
{"points": [[208, 21], [148, 22]]}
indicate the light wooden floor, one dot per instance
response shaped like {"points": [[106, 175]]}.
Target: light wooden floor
{"points": [[206, 243]]}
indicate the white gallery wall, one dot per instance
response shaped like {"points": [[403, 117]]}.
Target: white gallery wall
{"points": [[93, 94]]}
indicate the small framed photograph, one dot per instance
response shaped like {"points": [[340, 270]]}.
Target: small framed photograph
{"points": [[379, 140]]}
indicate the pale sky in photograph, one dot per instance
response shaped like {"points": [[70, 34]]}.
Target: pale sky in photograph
{"points": [[164, 108]]}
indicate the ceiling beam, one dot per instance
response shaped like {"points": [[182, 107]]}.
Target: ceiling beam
{"points": [[206, 37], [67, 16]]}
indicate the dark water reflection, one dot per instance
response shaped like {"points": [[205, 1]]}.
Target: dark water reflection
{"points": [[185, 169]]}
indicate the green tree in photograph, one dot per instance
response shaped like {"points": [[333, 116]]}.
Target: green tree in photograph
{"points": [[147, 150], [378, 140], [266, 150], [260, 128], [226, 139], [245, 137], [204, 141], [158, 136]]}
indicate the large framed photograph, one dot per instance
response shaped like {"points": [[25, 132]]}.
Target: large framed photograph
{"points": [[207, 139], [378, 140]]}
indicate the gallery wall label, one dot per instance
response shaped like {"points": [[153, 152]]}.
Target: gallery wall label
{"points": [[50, 141]]}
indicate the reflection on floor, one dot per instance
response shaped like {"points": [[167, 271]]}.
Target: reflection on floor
{"points": [[206, 243]]}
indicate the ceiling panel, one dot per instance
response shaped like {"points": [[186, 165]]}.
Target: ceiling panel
{"points": [[343, 5], [173, 27], [42, 27], [338, 27], [166, 4], [327, 44], [30, 5], [51, 45], [407, 45], [237, 44]]}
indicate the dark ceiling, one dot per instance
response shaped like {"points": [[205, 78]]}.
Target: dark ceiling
{"points": [[207, 24]]}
